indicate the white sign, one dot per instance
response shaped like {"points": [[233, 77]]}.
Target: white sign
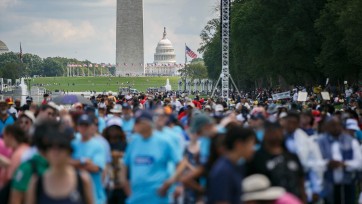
{"points": [[302, 96], [326, 96], [283, 95]]}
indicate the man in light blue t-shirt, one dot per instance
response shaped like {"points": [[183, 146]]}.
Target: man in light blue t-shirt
{"points": [[88, 155], [147, 158], [127, 121]]}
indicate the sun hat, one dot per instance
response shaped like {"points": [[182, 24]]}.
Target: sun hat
{"points": [[208, 107], [29, 115], [351, 124], [52, 105], [117, 109], [258, 187]]}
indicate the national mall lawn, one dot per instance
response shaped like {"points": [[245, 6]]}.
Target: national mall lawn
{"points": [[100, 84]]}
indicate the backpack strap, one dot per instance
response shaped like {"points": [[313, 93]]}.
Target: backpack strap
{"points": [[80, 186], [38, 188], [34, 168]]}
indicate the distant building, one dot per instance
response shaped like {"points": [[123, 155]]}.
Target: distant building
{"points": [[129, 38], [3, 47], [164, 63]]}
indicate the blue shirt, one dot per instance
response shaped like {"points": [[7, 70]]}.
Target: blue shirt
{"points": [[290, 144], [96, 153], [101, 124], [101, 140], [8, 121], [205, 143], [127, 126], [147, 161], [224, 182]]}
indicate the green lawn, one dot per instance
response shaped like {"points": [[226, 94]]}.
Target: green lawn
{"points": [[103, 83]]}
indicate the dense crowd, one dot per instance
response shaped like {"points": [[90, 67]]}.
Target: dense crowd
{"points": [[168, 148]]}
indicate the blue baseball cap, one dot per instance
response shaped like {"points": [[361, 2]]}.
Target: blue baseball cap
{"points": [[85, 120]]}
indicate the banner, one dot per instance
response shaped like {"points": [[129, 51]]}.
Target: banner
{"points": [[302, 96], [326, 96], [279, 96]]}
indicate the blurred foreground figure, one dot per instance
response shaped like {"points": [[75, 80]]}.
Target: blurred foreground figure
{"points": [[224, 180], [257, 190], [61, 183], [343, 159], [146, 160]]}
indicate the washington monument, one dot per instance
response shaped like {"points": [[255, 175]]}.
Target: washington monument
{"points": [[129, 39]]}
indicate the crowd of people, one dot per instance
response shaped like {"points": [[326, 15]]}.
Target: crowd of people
{"points": [[168, 148]]}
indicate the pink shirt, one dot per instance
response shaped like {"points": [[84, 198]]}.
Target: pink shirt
{"points": [[15, 160], [6, 152]]}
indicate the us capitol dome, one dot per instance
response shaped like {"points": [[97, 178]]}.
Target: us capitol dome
{"points": [[164, 63], [3, 47]]}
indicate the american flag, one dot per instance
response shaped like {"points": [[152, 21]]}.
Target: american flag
{"points": [[190, 53]]}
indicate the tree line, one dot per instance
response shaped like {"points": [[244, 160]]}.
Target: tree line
{"points": [[288, 42], [11, 67]]}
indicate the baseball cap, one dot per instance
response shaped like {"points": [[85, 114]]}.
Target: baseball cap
{"points": [[9, 101], [199, 121], [351, 124], [128, 97], [143, 115], [257, 116], [85, 119], [126, 106], [102, 106], [29, 99]]}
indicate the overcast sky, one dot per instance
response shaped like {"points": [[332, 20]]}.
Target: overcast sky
{"points": [[86, 29]]}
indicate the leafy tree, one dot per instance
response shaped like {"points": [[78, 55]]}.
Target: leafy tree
{"points": [[33, 64], [12, 71], [195, 70], [52, 67]]}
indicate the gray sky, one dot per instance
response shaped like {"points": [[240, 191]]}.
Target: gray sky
{"points": [[86, 29]]}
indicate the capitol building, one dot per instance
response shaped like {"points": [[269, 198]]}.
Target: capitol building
{"points": [[3, 47], [164, 60]]}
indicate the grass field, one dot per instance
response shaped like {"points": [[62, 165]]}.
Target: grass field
{"points": [[100, 84]]}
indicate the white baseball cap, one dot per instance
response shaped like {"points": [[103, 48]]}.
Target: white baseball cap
{"points": [[351, 124]]}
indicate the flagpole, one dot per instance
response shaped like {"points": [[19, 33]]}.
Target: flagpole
{"points": [[185, 67]]}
